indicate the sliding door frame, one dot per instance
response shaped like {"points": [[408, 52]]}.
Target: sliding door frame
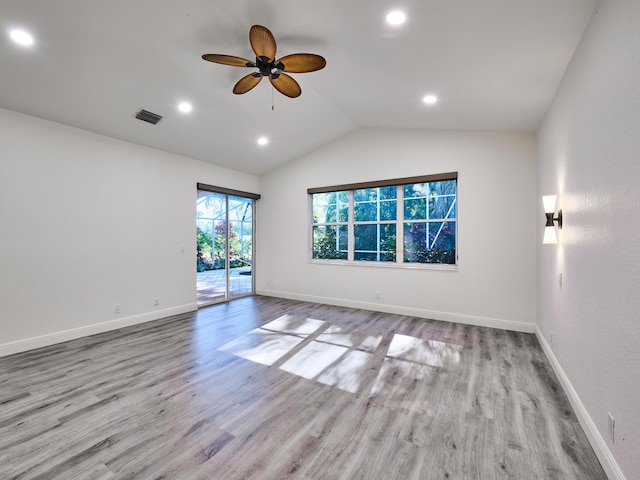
{"points": [[228, 193]]}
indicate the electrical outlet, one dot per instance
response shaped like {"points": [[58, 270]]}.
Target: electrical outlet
{"points": [[156, 302], [116, 309], [551, 337], [612, 427]]}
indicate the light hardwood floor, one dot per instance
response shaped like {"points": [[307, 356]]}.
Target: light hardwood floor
{"points": [[264, 388]]}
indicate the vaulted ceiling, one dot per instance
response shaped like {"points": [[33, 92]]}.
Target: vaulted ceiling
{"points": [[493, 64]]}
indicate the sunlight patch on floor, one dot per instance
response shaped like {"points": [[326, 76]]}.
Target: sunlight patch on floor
{"points": [[262, 346], [334, 356]]}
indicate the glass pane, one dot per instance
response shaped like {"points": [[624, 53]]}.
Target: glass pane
{"points": [[240, 246], [219, 245], [416, 190], [442, 236], [387, 256], [442, 199], [330, 207], [388, 242], [365, 256], [324, 207], [432, 242], [211, 247], [210, 205], [415, 238], [366, 237], [388, 210], [439, 196], [444, 188], [365, 207], [211, 211], [365, 212], [330, 242], [415, 209], [342, 199], [205, 245], [365, 195], [343, 240], [442, 207], [374, 204], [388, 193], [375, 242]]}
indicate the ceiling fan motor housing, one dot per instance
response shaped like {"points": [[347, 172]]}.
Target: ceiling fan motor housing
{"points": [[266, 67]]}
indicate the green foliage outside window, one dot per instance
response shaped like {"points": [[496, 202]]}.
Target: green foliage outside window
{"points": [[426, 239], [426, 218], [212, 209], [211, 248], [330, 238], [326, 244]]}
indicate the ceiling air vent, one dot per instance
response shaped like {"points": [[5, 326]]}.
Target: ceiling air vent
{"points": [[148, 117]]}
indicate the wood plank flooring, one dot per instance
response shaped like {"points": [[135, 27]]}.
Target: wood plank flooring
{"points": [[263, 388]]}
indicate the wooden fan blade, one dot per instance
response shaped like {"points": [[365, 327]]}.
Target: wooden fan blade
{"points": [[285, 85], [246, 83], [228, 60], [262, 42], [302, 63]]}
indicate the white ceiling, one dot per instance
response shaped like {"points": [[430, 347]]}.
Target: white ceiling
{"points": [[494, 64]]}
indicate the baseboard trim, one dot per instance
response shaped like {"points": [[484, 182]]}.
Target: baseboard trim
{"points": [[413, 312], [74, 333], [597, 441]]}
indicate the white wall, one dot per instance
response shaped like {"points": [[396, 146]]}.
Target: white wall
{"points": [[495, 284], [589, 154], [88, 222]]}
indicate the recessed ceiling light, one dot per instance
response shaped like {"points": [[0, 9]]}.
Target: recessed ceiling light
{"points": [[429, 99], [21, 37], [185, 107], [263, 141], [396, 17]]}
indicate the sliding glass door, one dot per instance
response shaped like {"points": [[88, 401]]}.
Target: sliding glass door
{"points": [[240, 240], [225, 246]]}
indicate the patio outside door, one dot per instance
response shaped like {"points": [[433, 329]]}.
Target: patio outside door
{"points": [[225, 246]]}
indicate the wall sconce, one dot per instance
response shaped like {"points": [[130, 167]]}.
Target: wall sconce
{"points": [[549, 202]]}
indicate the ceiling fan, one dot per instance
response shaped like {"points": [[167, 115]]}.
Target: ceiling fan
{"points": [[264, 46]]}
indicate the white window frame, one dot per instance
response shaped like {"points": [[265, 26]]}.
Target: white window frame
{"points": [[400, 222]]}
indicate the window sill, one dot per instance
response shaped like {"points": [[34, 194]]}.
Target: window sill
{"points": [[403, 266]]}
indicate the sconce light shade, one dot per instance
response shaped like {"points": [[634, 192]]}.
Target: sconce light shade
{"points": [[550, 235], [549, 202]]}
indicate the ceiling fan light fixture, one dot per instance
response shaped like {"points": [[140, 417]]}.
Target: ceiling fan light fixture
{"points": [[396, 18]]}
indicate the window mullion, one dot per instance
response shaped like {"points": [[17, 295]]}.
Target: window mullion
{"points": [[400, 225], [378, 225], [351, 230]]}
